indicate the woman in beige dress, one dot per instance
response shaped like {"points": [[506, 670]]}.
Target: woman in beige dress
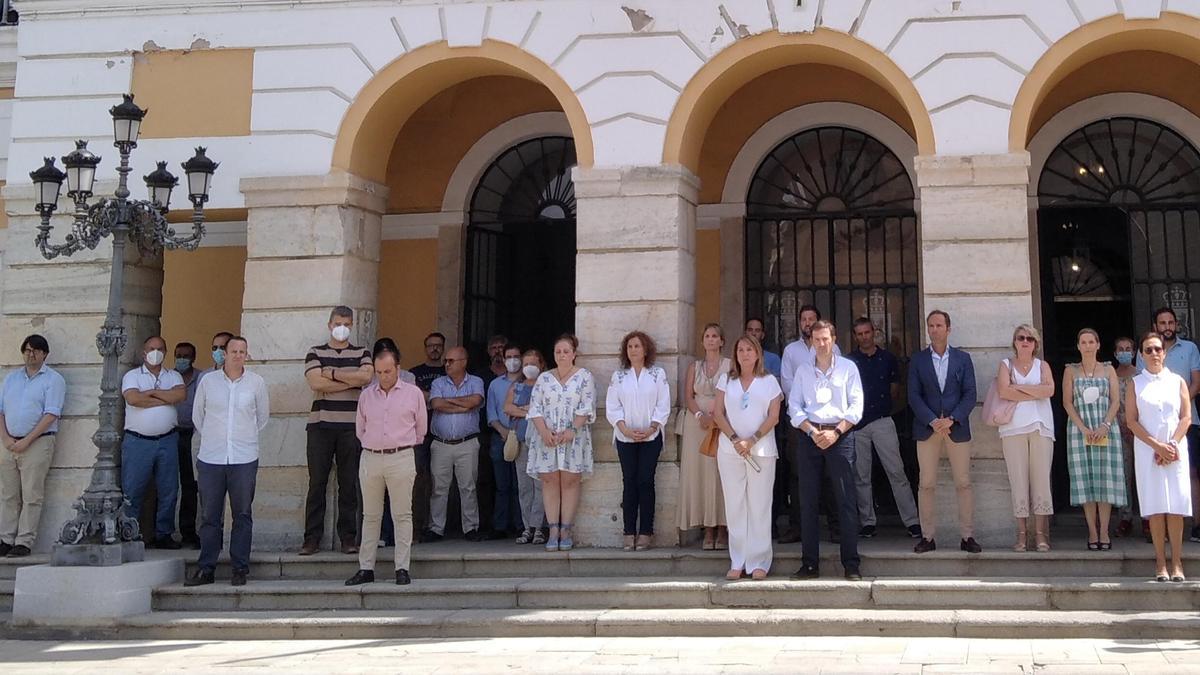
{"points": [[701, 503]]}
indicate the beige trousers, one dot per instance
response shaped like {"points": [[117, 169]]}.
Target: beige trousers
{"points": [[22, 487], [1028, 458], [396, 474], [929, 455]]}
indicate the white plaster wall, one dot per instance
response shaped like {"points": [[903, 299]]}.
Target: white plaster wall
{"points": [[627, 62]]}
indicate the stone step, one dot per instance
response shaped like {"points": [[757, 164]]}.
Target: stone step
{"points": [[652, 593], [6, 594], [704, 622]]}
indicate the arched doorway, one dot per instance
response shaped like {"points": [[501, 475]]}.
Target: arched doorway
{"points": [[1118, 237], [520, 247], [830, 221]]}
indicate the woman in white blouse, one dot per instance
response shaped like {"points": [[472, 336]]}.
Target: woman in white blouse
{"points": [[638, 405], [746, 412]]}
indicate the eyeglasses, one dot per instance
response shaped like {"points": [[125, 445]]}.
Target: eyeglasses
{"points": [[30, 350], [1026, 338], [1152, 350]]}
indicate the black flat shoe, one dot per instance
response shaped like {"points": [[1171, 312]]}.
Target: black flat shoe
{"points": [[807, 572], [1106, 546], [361, 577], [1162, 578], [402, 578], [1093, 546], [925, 546], [239, 578], [852, 574], [970, 545], [1178, 578], [199, 578]]}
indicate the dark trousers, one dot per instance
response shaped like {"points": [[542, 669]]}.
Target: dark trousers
{"points": [[329, 449], [795, 439], [506, 515], [143, 460], [422, 488], [813, 462], [639, 462], [786, 495], [188, 495], [216, 481]]}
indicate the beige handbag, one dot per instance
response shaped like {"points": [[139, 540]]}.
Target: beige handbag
{"points": [[512, 446]]}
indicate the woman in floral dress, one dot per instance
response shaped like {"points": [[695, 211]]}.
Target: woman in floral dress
{"points": [[561, 410]]}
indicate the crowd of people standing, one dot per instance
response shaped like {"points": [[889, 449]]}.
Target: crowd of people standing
{"points": [[762, 436]]}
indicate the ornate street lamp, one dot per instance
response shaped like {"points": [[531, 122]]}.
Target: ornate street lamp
{"points": [[101, 533]]}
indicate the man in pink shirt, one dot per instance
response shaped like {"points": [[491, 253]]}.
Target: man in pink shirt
{"points": [[390, 421]]}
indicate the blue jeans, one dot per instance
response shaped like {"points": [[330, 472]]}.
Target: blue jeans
{"points": [[639, 461], [506, 514], [142, 460], [838, 460], [216, 481]]}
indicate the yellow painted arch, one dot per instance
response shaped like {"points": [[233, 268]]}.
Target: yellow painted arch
{"points": [[369, 128], [1171, 33], [748, 58]]}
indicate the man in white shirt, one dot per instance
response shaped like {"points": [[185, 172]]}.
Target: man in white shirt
{"points": [[231, 410], [150, 447], [825, 404]]}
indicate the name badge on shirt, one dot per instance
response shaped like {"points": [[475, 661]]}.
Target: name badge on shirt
{"points": [[824, 395], [1091, 394]]}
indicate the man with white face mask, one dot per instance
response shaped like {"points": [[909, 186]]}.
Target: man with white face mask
{"points": [[506, 514], [150, 448], [336, 372]]}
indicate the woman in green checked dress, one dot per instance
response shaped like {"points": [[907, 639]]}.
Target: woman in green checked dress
{"points": [[1091, 400]]}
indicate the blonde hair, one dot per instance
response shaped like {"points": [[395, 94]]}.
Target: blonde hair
{"points": [[1037, 337], [759, 369]]}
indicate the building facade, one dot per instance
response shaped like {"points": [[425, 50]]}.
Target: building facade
{"points": [[531, 167]]}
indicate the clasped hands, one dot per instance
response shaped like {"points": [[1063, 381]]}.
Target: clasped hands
{"points": [[1165, 453], [942, 425], [554, 439]]}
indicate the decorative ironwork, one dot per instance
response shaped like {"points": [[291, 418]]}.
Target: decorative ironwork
{"points": [[1122, 161], [830, 170], [524, 200], [830, 222], [100, 519]]}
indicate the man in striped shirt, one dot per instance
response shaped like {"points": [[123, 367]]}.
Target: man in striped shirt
{"points": [[336, 371]]}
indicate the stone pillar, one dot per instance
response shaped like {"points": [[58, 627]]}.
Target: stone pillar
{"points": [[65, 300], [312, 242], [975, 249], [635, 269]]}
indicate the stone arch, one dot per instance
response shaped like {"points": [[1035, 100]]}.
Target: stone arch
{"points": [[1173, 40], [371, 124], [750, 58]]}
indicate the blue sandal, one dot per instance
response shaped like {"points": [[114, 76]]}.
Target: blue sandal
{"points": [[566, 543], [552, 539]]}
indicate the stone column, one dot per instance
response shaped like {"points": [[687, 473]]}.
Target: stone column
{"points": [[65, 300], [975, 248], [312, 242], [635, 269]]}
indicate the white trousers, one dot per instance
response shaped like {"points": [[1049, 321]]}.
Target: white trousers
{"points": [[748, 496]]}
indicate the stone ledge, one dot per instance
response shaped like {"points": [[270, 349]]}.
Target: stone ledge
{"points": [[972, 170], [663, 180], [336, 187]]}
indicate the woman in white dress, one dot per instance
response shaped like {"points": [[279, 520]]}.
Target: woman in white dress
{"points": [[562, 410], [1158, 412], [746, 412], [700, 503]]}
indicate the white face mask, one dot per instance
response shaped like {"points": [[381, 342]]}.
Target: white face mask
{"points": [[340, 333], [512, 364], [155, 357], [530, 371]]}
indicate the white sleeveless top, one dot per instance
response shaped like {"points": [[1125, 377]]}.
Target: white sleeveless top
{"points": [[1029, 416]]}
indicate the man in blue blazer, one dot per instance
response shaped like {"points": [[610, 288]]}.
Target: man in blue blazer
{"points": [[941, 393]]}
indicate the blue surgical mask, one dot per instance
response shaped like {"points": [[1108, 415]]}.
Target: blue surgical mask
{"points": [[1124, 358], [219, 357], [183, 365]]}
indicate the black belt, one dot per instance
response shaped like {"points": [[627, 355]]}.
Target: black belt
{"points": [[824, 427], [21, 438], [464, 439], [144, 437], [389, 451]]}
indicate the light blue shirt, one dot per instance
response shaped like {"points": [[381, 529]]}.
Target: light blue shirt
{"points": [[497, 392], [1182, 358], [826, 397], [27, 399], [453, 426]]}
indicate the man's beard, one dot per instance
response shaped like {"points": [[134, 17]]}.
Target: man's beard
{"points": [[806, 333], [1167, 334]]}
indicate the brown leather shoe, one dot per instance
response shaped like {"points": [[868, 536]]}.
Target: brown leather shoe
{"points": [[310, 548], [349, 548]]}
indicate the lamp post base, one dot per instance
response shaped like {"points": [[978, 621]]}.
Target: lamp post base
{"points": [[97, 555]]}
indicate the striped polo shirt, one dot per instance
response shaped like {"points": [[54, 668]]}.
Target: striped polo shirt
{"points": [[336, 410]]}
